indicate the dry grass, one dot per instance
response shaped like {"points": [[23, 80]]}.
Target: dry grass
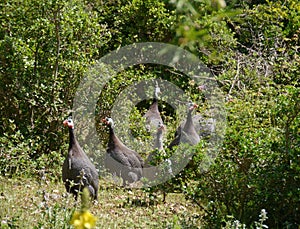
{"points": [[28, 203]]}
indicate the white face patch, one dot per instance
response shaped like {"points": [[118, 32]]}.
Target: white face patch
{"points": [[109, 121], [70, 122]]}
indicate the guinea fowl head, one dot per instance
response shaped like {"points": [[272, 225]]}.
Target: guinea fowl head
{"points": [[192, 106], [160, 127], [69, 123], [108, 121]]}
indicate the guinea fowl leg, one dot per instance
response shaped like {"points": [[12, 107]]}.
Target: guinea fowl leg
{"points": [[92, 192]]}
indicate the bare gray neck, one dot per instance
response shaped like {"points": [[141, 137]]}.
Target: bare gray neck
{"points": [[158, 144]]}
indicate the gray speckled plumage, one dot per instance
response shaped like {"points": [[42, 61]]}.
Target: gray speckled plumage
{"points": [[121, 160], [187, 133], [78, 171], [158, 143], [152, 116], [204, 126], [159, 150]]}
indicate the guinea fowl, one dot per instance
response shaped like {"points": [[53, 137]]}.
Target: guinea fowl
{"points": [[152, 116], [122, 160], [205, 127], [78, 171], [184, 134], [166, 168], [159, 150], [187, 133], [158, 143]]}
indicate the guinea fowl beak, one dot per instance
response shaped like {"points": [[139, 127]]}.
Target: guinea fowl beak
{"points": [[193, 107], [65, 123], [104, 121]]}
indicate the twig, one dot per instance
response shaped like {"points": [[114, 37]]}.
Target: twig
{"points": [[235, 78]]}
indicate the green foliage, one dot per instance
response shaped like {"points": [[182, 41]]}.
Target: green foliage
{"points": [[45, 49], [256, 168], [231, 222], [15, 153], [272, 35], [55, 217], [135, 21], [258, 68], [252, 48], [202, 28]]}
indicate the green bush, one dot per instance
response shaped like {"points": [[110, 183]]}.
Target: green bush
{"points": [[257, 167], [45, 49]]}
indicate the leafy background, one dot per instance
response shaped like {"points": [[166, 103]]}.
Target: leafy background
{"points": [[251, 48]]}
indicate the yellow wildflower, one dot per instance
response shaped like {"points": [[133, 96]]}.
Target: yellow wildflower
{"points": [[83, 220]]}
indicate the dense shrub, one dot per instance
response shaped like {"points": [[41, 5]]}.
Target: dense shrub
{"points": [[256, 169]]}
